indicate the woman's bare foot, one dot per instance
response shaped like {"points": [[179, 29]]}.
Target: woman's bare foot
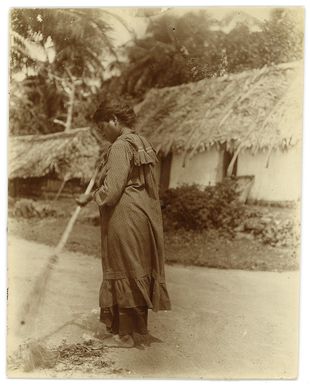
{"points": [[119, 341], [103, 334]]}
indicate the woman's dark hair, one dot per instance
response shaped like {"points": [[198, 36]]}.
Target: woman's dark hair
{"points": [[108, 110]]}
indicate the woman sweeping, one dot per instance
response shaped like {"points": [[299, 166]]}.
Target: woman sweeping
{"points": [[132, 246]]}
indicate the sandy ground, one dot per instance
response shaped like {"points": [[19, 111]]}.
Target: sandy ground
{"points": [[224, 323]]}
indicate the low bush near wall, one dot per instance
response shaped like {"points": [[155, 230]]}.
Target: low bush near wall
{"points": [[215, 207], [27, 208]]}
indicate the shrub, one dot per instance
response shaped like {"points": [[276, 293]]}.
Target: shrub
{"points": [[27, 208], [280, 234], [191, 208]]}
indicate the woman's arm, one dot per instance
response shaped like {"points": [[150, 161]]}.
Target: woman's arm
{"points": [[117, 171]]}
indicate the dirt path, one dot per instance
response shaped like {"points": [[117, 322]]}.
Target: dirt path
{"points": [[224, 323]]}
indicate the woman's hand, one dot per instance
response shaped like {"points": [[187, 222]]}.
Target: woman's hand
{"points": [[83, 199]]}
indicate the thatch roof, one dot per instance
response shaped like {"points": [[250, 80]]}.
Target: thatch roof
{"points": [[69, 155], [258, 109]]}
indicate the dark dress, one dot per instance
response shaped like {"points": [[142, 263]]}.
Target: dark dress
{"points": [[132, 245]]}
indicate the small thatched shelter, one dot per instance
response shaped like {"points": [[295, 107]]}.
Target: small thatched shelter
{"points": [[41, 164], [244, 124]]}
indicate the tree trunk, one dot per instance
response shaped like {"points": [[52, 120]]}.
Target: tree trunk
{"points": [[70, 108], [60, 189]]}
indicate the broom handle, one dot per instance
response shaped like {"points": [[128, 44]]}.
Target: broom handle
{"points": [[74, 216], [38, 289]]}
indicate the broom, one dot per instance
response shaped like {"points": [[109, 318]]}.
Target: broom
{"points": [[34, 353], [38, 291]]}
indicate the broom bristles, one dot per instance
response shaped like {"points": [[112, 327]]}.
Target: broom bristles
{"points": [[37, 355], [38, 291]]}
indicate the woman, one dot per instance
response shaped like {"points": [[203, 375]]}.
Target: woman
{"points": [[131, 229]]}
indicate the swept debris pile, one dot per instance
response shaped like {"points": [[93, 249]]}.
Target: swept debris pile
{"points": [[65, 357]]}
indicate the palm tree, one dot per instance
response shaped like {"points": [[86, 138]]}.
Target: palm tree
{"points": [[175, 50], [194, 46], [79, 36], [72, 44]]}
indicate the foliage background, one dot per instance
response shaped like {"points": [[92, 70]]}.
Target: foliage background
{"points": [[54, 51]]}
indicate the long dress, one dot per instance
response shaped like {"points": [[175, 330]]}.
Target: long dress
{"points": [[132, 246]]}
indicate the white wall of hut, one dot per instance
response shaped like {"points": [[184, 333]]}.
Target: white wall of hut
{"points": [[280, 181], [205, 168]]}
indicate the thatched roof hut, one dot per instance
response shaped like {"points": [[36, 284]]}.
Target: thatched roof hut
{"points": [[68, 155], [257, 109]]}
